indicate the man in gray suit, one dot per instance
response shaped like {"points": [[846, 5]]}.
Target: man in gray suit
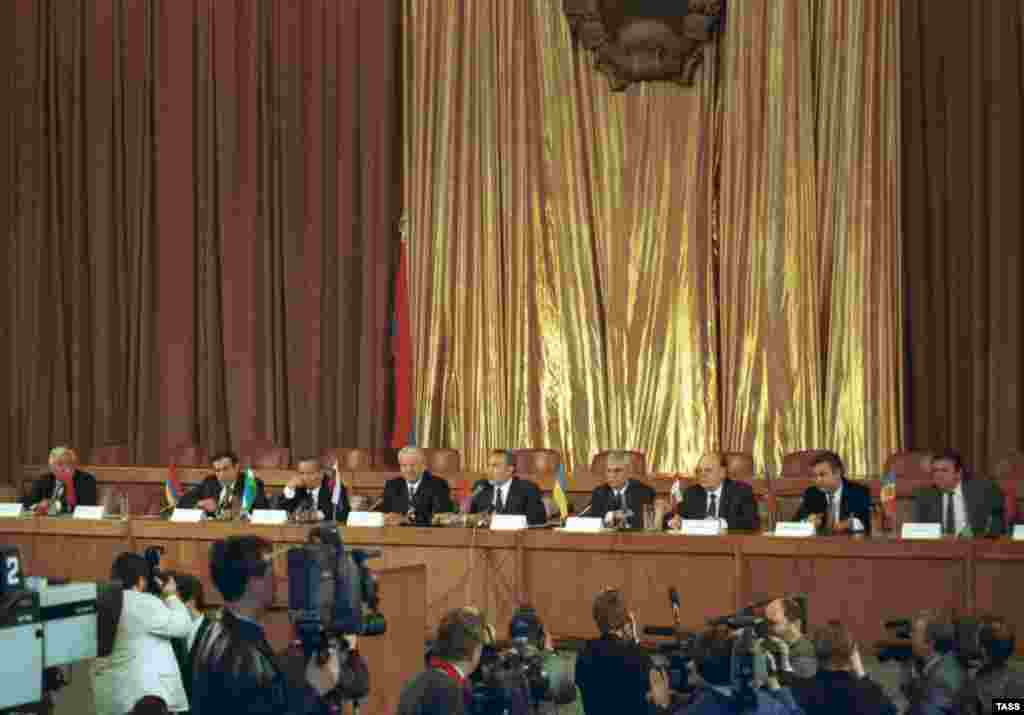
{"points": [[974, 506]]}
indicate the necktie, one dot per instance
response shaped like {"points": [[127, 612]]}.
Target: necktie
{"points": [[950, 514], [499, 503], [616, 501], [713, 506], [829, 514]]}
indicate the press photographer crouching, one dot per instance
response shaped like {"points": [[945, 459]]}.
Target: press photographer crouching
{"points": [[443, 689], [612, 672], [235, 669], [994, 678], [841, 685], [731, 664], [142, 660]]}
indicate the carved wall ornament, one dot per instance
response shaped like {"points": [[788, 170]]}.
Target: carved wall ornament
{"points": [[645, 40]]}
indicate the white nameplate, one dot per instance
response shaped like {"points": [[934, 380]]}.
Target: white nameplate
{"points": [[508, 522], [10, 509], [1018, 532], [584, 524], [797, 529], [269, 516], [190, 516], [700, 527], [921, 531], [88, 512], [365, 518]]}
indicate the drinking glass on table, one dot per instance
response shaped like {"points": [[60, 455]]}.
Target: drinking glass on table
{"points": [[649, 521]]}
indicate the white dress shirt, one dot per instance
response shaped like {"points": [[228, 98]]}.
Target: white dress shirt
{"points": [[959, 507], [413, 487], [621, 494], [718, 503], [289, 493], [503, 490], [835, 500]]}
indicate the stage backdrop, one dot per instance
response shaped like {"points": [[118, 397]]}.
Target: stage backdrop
{"points": [[200, 206], [667, 269]]}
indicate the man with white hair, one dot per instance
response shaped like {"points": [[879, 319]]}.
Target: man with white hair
{"points": [[417, 494], [620, 501]]}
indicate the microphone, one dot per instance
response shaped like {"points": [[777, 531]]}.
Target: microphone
{"points": [[588, 507], [58, 493]]}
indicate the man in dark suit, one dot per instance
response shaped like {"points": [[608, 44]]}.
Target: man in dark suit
{"points": [[190, 589], [506, 493], [64, 487], [934, 678], [225, 484], [717, 496], [416, 495], [841, 686], [974, 505], [443, 688], [314, 489], [620, 501], [835, 504]]}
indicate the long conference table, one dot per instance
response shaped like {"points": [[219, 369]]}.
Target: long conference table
{"points": [[862, 581]]}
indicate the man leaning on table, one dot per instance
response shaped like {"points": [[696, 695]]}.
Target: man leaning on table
{"points": [[835, 504], [960, 505], [64, 487], [620, 501], [315, 489], [715, 495], [417, 493], [226, 482], [505, 493]]}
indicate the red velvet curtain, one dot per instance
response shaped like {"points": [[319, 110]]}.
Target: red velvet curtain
{"points": [[201, 199]]}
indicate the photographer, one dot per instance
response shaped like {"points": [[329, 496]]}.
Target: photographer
{"points": [[714, 655], [234, 668], [442, 688], [190, 590], [994, 678], [933, 678], [793, 651], [841, 685], [612, 671], [142, 661]]}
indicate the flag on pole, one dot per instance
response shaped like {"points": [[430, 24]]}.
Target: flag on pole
{"points": [[248, 490], [887, 495], [172, 487], [676, 495], [336, 491], [462, 495], [560, 492]]}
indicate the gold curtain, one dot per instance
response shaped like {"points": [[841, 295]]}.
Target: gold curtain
{"points": [[564, 240]]}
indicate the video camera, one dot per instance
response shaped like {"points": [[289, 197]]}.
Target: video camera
{"points": [[521, 675], [41, 630], [331, 592], [960, 636]]}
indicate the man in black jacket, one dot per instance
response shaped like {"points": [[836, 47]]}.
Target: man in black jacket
{"points": [[960, 505], [620, 501], [416, 495], [506, 493], [227, 483], [64, 487], [835, 504], [717, 496], [234, 668], [841, 686], [612, 672], [934, 679], [314, 489]]}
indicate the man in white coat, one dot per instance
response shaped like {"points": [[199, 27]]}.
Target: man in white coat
{"points": [[142, 661]]}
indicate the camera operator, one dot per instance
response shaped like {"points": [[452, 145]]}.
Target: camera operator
{"points": [[190, 590], [794, 652], [234, 668], [612, 671], [142, 661], [841, 686], [994, 679], [713, 656], [933, 678], [442, 689]]}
